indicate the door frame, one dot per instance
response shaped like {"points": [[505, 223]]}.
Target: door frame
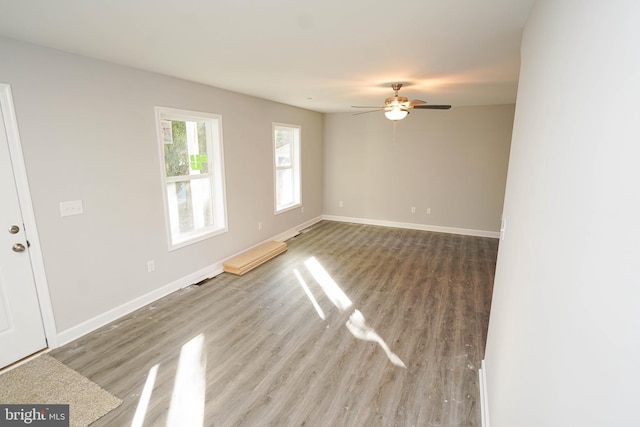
{"points": [[28, 216]]}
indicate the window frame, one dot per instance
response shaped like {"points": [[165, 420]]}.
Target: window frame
{"points": [[296, 167], [215, 175]]}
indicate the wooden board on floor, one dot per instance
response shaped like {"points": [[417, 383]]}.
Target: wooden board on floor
{"points": [[252, 258]]}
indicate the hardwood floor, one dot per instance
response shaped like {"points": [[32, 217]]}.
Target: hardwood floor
{"points": [[269, 358]]}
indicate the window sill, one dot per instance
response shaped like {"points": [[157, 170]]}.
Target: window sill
{"points": [[287, 208], [197, 238]]}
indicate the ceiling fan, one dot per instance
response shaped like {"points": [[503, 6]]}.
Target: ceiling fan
{"points": [[397, 107]]}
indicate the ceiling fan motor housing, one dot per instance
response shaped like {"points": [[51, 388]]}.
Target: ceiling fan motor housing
{"points": [[399, 101]]}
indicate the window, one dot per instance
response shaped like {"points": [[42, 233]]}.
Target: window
{"points": [[286, 149], [192, 175]]}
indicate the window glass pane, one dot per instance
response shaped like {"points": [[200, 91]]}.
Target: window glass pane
{"points": [[186, 153], [175, 152], [286, 140], [191, 145], [284, 146], [202, 154], [190, 204], [284, 192]]}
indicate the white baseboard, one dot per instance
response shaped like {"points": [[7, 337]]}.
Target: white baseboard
{"points": [[115, 313], [295, 231], [484, 401], [412, 226], [285, 235], [212, 270]]}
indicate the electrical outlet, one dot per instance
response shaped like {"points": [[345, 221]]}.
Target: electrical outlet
{"points": [[340, 204], [413, 209], [428, 211], [259, 225], [151, 265]]}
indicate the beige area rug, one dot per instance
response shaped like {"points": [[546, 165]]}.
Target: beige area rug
{"points": [[46, 380]]}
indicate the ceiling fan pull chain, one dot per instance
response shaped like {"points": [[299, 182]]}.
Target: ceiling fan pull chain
{"points": [[395, 123]]}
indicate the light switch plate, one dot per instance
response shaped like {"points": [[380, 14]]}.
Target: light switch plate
{"points": [[73, 207]]}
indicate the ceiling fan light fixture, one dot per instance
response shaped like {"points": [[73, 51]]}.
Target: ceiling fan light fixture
{"points": [[397, 107], [396, 113]]}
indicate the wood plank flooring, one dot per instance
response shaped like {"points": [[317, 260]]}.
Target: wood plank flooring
{"points": [[269, 358]]}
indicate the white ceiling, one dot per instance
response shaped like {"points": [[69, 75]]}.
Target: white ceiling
{"points": [[323, 55]]}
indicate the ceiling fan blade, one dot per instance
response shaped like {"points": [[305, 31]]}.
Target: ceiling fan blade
{"points": [[432, 107], [397, 107], [365, 112]]}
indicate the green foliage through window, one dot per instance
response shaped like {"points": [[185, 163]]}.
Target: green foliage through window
{"points": [[191, 145], [179, 161]]}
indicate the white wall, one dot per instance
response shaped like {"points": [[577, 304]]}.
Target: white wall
{"points": [[454, 162], [88, 132], [563, 344]]}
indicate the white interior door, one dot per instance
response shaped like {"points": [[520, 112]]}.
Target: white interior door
{"points": [[21, 327]]}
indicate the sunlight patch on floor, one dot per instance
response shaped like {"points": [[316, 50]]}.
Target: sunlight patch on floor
{"points": [[330, 287], [145, 397], [309, 293], [359, 329], [187, 400], [356, 324]]}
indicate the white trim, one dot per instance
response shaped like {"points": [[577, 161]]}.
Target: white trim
{"points": [[288, 208], [285, 235], [215, 269], [296, 230], [296, 167], [115, 313], [484, 398], [412, 226], [28, 216], [216, 178], [23, 361]]}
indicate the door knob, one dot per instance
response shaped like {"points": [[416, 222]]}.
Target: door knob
{"points": [[14, 229], [18, 247]]}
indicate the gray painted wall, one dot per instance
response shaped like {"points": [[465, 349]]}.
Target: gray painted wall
{"points": [[564, 335], [454, 162], [88, 132]]}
